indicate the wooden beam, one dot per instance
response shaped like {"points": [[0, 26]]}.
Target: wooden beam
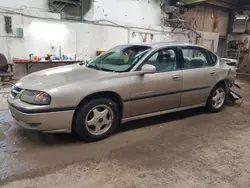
{"points": [[189, 2], [245, 7], [223, 4]]}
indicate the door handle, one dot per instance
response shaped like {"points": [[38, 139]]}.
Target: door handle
{"points": [[176, 77], [213, 73]]}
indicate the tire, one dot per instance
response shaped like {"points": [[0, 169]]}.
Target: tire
{"points": [[214, 106], [97, 119]]}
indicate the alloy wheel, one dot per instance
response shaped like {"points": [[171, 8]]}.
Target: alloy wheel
{"points": [[218, 98], [99, 119]]}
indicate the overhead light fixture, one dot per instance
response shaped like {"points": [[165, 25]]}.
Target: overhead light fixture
{"points": [[240, 23], [48, 31]]}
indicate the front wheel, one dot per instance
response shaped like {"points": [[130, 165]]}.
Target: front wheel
{"points": [[97, 119], [216, 99]]}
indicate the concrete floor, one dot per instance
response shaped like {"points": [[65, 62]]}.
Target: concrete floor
{"points": [[4, 91], [186, 149]]}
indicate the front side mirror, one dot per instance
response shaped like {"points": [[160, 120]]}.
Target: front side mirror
{"points": [[148, 69]]}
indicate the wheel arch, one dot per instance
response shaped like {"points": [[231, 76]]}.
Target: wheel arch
{"points": [[102, 94], [221, 82], [224, 83]]}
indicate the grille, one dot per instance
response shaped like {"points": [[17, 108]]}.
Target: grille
{"points": [[15, 91]]}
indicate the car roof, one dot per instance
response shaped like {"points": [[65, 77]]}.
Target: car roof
{"points": [[163, 44]]}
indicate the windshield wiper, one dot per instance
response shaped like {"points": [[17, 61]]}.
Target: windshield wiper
{"points": [[83, 63], [94, 66]]}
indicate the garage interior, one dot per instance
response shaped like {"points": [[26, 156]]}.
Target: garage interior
{"points": [[189, 149]]}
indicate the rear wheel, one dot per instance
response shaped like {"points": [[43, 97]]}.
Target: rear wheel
{"points": [[97, 119], [217, 99]]}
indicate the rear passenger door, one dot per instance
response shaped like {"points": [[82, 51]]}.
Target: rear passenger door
{"points": [[199, 75]]}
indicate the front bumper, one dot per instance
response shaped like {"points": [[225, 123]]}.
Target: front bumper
{"points": [[52, 121]]}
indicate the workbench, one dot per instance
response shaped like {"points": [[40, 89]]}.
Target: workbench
{"points": [[29, 64]]}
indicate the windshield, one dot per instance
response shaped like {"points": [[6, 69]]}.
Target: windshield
{"points": [[119, 59]]}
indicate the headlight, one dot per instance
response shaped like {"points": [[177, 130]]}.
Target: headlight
{"points": [[35, 97]]}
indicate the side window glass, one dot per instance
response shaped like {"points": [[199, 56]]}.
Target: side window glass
{"points": [[164, 60], [213, 58], [194, 58]]}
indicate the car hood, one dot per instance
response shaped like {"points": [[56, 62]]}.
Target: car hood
{"points": [[59, 76]]}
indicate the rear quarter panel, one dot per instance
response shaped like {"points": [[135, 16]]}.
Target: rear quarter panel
{"points": [[203, 83]]}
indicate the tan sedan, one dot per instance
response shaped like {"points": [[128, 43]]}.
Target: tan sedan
{"points": [[128, 82]]}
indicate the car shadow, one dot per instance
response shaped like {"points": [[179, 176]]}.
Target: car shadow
{"points": [[47, 139], [30, 139], [146, 122]]}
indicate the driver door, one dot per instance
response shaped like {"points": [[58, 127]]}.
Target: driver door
{"points": [[158, 91]]}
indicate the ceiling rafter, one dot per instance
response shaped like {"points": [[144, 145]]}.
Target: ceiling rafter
{"points": [[223, 4], [228, 4]]}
